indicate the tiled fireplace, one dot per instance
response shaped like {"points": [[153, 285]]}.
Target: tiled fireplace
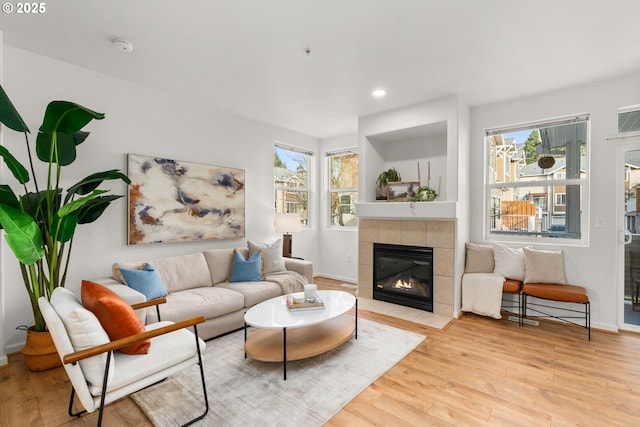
{"points": [[437, 234]]}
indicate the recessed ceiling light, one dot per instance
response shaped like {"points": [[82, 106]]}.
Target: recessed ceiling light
{"points": [[379, 93]]}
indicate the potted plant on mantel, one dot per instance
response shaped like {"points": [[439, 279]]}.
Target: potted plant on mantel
{"points": [[385, 177], [40, 224]]}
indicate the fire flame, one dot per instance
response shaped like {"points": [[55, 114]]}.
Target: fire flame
{"points": [[402, 284]]}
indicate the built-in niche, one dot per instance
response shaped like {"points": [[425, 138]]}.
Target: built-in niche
{"points": [[405, 149]]}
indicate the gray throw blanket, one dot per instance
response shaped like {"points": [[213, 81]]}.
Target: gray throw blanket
{"points": [[289, 281]]}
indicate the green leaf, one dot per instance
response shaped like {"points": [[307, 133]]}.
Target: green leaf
{"points": [[8, 197], [79, 137], [64, 227], [65, 144], [77, 204], [22, 233], [9, 116], [94, 209], [91, 182], [32, 202], [67, 117], [19, 172]]}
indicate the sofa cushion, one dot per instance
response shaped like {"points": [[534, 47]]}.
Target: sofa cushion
{"points": [[116, 316], [183, 271], [210, 302], [253, 292], [246, 270], [177, 272], [117, 275], [146, 281], [272, 259], [220, 261]]}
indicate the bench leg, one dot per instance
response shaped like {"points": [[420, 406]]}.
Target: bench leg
{"points": [[587, 317]]}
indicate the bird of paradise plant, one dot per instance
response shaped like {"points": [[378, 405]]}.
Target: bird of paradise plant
{"points": [[40, 224]]}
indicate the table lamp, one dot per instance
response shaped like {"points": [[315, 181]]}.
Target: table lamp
{"points": [[287, 223]]}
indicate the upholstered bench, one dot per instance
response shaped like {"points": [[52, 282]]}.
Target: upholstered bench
{"points": [[491, 271], [561, 293]]}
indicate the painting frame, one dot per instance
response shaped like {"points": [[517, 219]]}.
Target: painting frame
{"points": [[402, 191], [176, 201]]}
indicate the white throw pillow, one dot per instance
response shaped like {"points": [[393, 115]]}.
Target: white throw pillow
{"points": [[544, 267], [272, 259], [509, 262], [85, 331]]}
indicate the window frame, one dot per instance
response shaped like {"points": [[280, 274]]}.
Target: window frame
{"points": [[329, 157], [583, 205], [305, 221]]}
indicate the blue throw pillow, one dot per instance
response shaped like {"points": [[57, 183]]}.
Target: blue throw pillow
{"points": [[146, 281], [246, 270]]}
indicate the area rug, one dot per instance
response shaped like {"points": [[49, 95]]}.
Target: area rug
{"points": [[245, 392]]}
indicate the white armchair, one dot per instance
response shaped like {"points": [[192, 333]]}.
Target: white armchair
{"points": [[98, 372]]}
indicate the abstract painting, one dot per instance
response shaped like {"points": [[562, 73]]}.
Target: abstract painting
{"points": [[174, 201]]}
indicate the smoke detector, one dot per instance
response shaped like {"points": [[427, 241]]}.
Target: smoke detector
{"points": [[123, 45]]}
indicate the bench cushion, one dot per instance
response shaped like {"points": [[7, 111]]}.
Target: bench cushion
{"points": [[511, 286], [567, 293]]}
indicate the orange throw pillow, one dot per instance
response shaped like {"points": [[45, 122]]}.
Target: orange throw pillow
{"points": [[116, 316]]}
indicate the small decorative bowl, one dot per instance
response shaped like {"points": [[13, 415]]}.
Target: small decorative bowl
{"points": [[298, 298]]}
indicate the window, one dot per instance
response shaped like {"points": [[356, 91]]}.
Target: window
{"points": [[343, 188], [543, 193], [291, 181]]}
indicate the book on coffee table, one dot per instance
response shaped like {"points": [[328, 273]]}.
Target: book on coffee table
{"points": [[318, 304]]}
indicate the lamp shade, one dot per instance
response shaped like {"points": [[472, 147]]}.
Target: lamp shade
{"points": [[287, 222]]}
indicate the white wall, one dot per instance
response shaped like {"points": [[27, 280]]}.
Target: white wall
{"points": [[339, 247], [596, 265], [141, 121], [430, 151], [3, 299]]}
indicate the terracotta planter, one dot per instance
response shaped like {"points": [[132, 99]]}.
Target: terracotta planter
{"points": [[39, 351]]}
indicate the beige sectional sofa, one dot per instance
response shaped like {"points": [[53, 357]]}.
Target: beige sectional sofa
{"points": [[197, 285]]}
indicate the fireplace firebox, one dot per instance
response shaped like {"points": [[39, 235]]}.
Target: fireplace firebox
{"points": [[403, 275]]}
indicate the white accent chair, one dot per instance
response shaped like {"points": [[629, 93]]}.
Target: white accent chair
{"points": [[100, 374]]}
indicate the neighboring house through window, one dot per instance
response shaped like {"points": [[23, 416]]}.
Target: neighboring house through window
{"points": [[537, 179], [343, 188], [291, 181]]}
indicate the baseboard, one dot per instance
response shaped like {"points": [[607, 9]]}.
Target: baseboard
{"points": [[341, 278], [4, 360], [14, 348]]}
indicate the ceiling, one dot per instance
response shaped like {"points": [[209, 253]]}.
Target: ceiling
{"points": [[248, 57]]}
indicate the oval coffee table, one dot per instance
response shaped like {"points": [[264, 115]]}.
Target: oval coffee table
{"points": [[285, 335]]}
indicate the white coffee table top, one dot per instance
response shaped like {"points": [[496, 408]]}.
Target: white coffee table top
{"points": [[274, 313]]}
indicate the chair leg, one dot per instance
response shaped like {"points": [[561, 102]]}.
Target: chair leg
{"points": [[204, 386], [104, 388], [71, 413]]}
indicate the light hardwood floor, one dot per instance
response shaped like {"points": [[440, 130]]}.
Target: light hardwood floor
{"points": [[475, 372]]}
